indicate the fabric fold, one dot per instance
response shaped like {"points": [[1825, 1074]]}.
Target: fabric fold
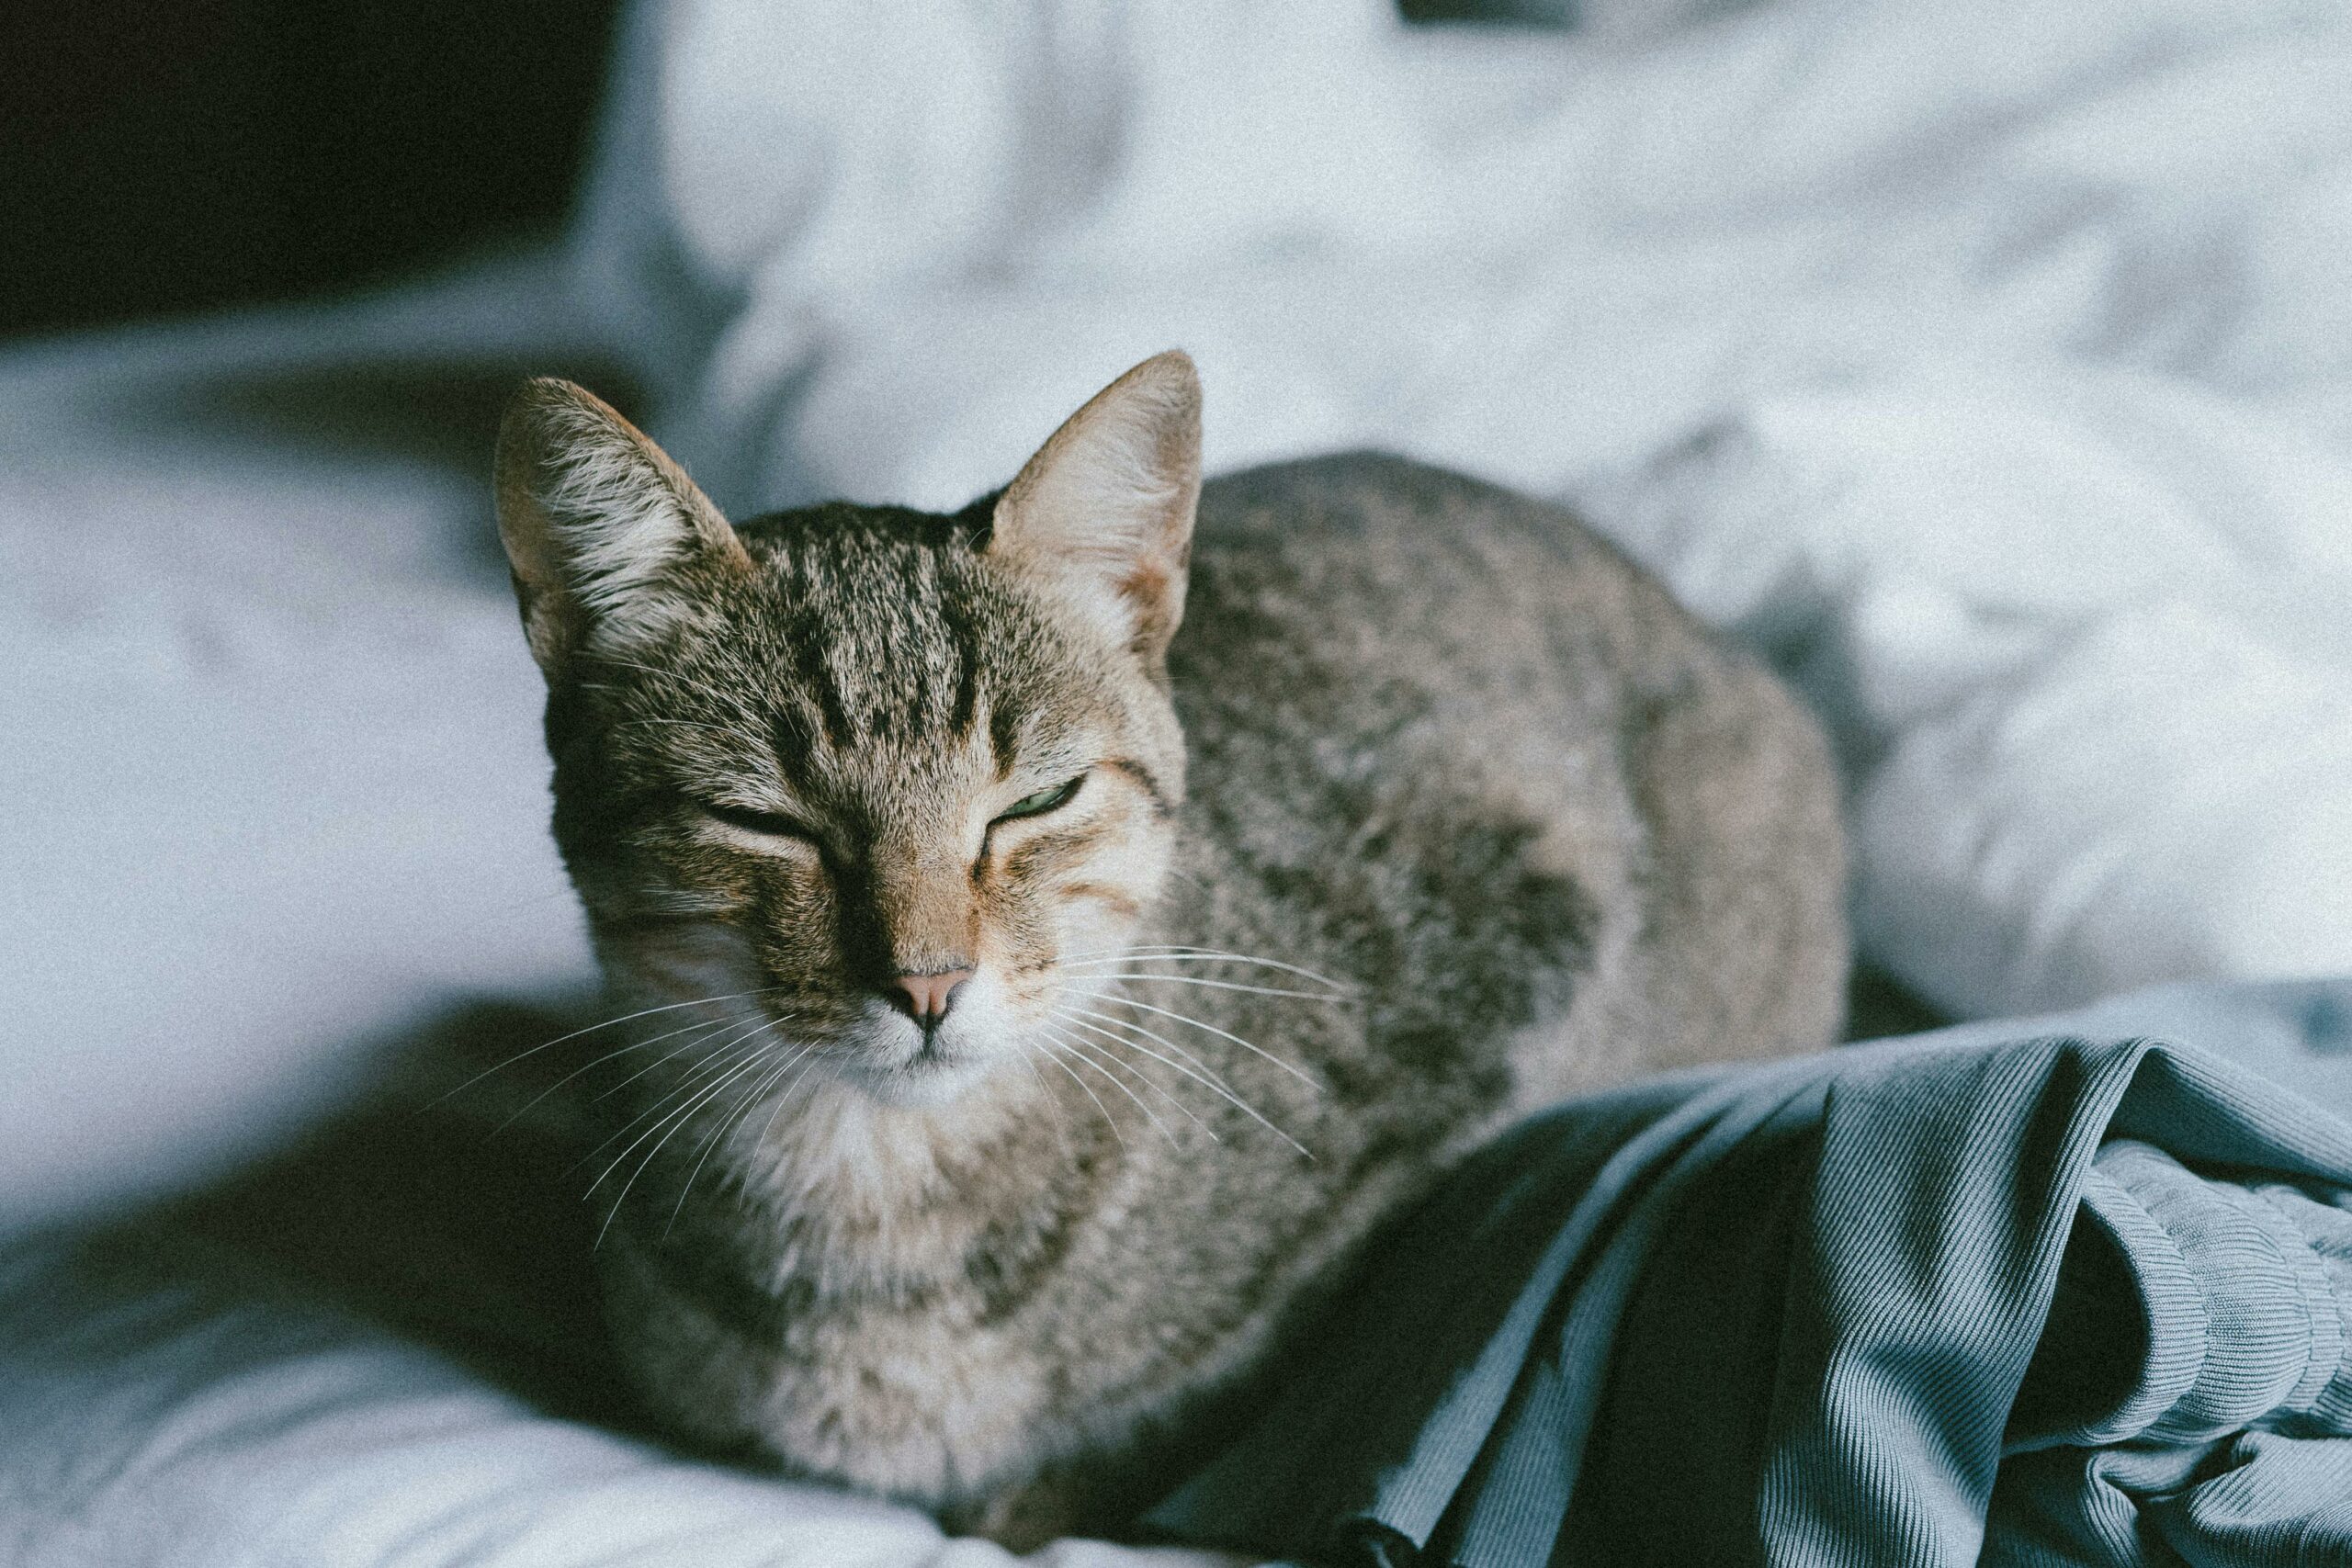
{"points": [[2047, 1296]]}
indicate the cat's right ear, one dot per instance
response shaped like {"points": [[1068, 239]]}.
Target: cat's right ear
{"points": [[1104, 512], [597, 522]]}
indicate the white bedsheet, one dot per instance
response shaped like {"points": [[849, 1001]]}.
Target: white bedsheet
{"points": [[1991, 365], [268, 750], [201, 1423]]}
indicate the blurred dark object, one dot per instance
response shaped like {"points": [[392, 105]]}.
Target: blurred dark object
{"points": [[1621, 20], [1878, 1006], [169, 157], [1527, 13]]}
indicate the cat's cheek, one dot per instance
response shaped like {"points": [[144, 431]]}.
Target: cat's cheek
{"points": [[1102, 906], [673, 962]]}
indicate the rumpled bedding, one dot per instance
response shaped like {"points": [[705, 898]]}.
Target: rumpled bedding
{"points": [[170, 1402], [2071, 1291], [1990, 368], [1991, 364], [2074, 1290]]}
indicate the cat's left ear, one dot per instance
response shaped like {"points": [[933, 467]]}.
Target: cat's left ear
{"points": [[603, 531], [1104, 512]]}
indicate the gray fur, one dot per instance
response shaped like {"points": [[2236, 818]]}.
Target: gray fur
{"points": [[1439, 743]]}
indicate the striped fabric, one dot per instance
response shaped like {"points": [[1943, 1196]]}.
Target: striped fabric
{"points": [[2075, 1291]]}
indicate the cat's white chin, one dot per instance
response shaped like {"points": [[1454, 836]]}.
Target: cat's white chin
{"points": [[925, 1080], [901, 1065]]}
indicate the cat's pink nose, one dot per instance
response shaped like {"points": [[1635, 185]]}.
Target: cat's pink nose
{"points": [[930, 995]]}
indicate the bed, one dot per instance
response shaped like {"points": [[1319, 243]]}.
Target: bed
{"points": [[1991, 371]]}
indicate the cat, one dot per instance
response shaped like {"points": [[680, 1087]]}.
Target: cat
{"points": [[1038, 1004]]}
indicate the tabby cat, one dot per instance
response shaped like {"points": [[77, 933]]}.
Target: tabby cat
{"points": [[1038, 1004]]}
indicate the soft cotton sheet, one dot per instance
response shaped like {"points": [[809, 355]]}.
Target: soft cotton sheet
{"points": [[173, 1406], [1991, 368], [273, 783]]}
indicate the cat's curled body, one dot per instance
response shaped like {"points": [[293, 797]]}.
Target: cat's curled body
{"points": [[1417, 737]]}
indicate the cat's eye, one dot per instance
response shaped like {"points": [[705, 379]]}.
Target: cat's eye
{"points": [[1044, 800], [770, 824]]}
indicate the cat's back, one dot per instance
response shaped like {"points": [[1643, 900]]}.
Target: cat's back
{"points": [[1369, 582], [1387, 663]]}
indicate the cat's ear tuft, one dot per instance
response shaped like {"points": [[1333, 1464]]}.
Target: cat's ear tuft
{"points": [[597, 520], [1104, 512]]}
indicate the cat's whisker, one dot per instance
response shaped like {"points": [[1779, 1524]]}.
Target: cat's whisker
{"points": [[1089, 973], [677, 1051], [1053, 1104], [1177, 953], [1210, 1028], [813, 1054], [1075, 1013], [721, 1056], [727, 1124], [745, 1096], [1145, 1078], [608, 1023], [653, 1116], [1238, 1102], [716, 1057], [1054, 1057], [1117, 948], [676, 1120], [1084, 1059], [671, 1055], [1069, 1050], [707, 1026]]}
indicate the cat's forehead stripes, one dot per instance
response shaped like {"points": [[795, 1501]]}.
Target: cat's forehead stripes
{"points": [[877, 641], [881, 667]]}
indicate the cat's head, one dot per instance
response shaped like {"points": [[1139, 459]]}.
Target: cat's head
{"points": [[869, 772]]}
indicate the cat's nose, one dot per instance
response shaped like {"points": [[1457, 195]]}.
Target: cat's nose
{"points": [[927, 998]]}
